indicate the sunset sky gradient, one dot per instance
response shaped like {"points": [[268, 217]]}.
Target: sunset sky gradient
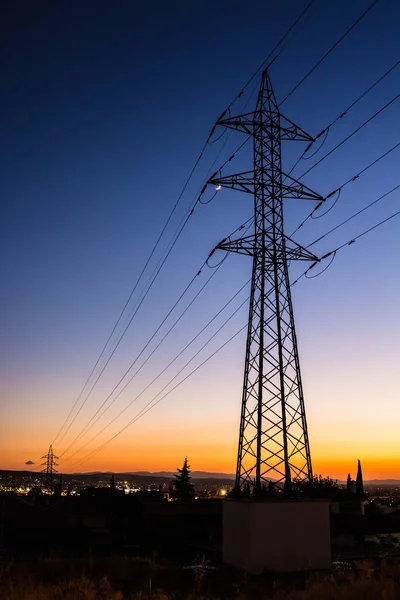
{"points": [[104, 111]]}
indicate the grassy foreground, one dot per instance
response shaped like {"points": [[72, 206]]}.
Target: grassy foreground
{"points": [[140, 580]]}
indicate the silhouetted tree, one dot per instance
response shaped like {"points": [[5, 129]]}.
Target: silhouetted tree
{"points": [[235, 492], [269, 490], [246, 492], [359, 482], [34, 494], [184, 488], [348, 484], [319, 487], [171, 490], [58, 488]]}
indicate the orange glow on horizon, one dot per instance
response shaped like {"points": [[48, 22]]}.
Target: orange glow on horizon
{"points": [[214, 458], [211, 446]]}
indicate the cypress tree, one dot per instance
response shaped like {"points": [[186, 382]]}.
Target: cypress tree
{"points": [[359, 482]]}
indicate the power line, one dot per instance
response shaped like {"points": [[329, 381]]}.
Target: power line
{"points": [[378, 112], [149, 285], [154, 277], [348, 243], [88, 425], [176, 235], [176, 357], [354, 215], [340, 188], [360, 235], [262, 65], [92, 421], [168, 365], [283, 38], [327, 129], [135, 287], [329, 51], [138, 356], [371, 87], [150, 404]]}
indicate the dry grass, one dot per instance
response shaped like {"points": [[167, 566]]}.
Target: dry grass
{"points": [[18, 583], [75, 589]]}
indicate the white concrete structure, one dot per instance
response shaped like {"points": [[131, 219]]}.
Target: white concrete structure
{"points": [[275, 534]]}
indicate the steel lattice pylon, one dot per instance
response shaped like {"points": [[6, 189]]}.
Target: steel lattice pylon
{"points": [[49, 465], [273, 439]]}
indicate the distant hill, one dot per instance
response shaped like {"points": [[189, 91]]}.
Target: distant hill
{"points": [[142, 477], [382, 482], [195, 474]]}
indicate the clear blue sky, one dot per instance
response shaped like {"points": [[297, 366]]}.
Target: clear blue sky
{"points": [[105, 107]]}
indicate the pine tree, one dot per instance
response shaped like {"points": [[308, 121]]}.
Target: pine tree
{"points": [[184, 488], [349, 482]]}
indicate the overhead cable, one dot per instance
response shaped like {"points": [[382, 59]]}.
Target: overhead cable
{"points": [[93, 420], [346, 33], [283, 38], [341, 187], [151, 404], [327, 129], [346, 139], [353, 216], [143, 349], [134, 289], [270, 55], [169, 365], [348, 243], [162, 233]]}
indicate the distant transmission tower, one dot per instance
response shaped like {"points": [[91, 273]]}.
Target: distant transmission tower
{"points": [[273, 439], [49, 465]]}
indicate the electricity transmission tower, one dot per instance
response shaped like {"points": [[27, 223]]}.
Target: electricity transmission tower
{"points": [[49, 465], [273, 438]]}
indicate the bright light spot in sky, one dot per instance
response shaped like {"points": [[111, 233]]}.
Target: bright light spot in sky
{"points": [[218, 188]]}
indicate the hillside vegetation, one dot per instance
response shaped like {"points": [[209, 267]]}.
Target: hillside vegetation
{"points": [[136, 579]]}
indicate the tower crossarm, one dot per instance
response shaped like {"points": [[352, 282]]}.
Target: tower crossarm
{"points": [[297, 189], [244, 182], [249, 123], [243, 123], [251, 245]]}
